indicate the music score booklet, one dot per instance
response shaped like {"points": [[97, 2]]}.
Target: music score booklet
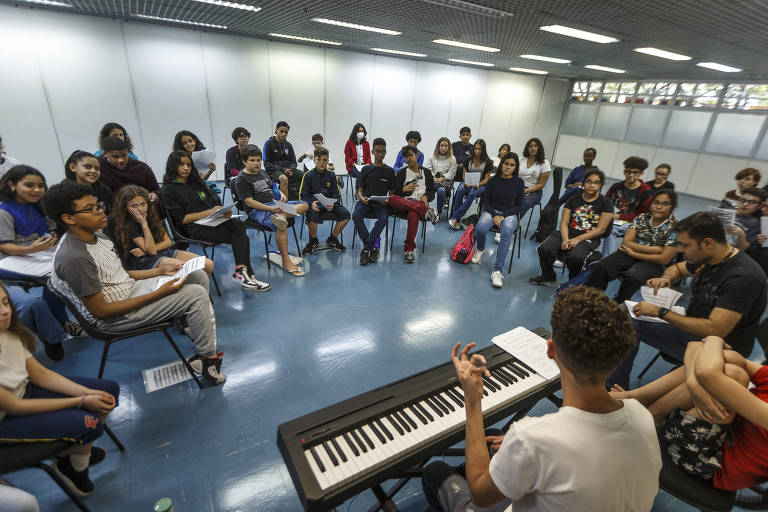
{"points": [[530, 348]]}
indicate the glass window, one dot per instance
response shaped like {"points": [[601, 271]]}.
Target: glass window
{"points": [[627, 92], [755, 97], [645, 92], [707, 95], [611, 92], [580, 90], [685, 94], [594, 91], [664, 93], [733, 96]]}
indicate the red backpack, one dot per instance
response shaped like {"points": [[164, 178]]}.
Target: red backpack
{"points": [[464, 249]]}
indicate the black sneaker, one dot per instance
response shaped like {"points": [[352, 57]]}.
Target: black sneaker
{"points": [[334, 244], [408, 257], [212, 370], [539, 280], [365, 257], [74, 329], [97, 456], [310, 247], [77, 481], [54, 351], [374, 256]]}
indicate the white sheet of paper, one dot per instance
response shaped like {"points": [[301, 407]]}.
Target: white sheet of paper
{"points": [[359, 167], [619, 222], [664, 298], [287, 208], [680, 310], [530, 348], [379, 199], [217, 217], [165, 375], [325, 201], [308, 162], [764, 229], [37, 264], [186, 269], [472, 179], [202, 159], [727, 217]]}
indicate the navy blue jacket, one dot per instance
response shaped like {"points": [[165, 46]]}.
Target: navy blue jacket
{"points": [[315, 182], [504, 195]]}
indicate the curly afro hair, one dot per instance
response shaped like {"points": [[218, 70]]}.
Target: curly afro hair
{"points": [[58, 200], [591, 334]]}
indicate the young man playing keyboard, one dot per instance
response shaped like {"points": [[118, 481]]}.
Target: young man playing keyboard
{"points": [[596, 454]]}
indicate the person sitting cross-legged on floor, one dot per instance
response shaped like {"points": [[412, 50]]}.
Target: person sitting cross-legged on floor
{"points": [[585, 218], [322, 181], [596, 454], [414, 189], [88, 271], [504, 195], [649, 244]]}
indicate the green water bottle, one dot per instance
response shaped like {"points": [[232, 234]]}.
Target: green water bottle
{"points": [[164, 505]]}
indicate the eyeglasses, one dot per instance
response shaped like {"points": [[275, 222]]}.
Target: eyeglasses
{"points": [[662, 173], [748, 201], [93, 210], [597, 182], [662, 203], [629, 171]]}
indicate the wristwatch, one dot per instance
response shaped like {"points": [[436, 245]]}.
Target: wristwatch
{"points": [[662, 312]]}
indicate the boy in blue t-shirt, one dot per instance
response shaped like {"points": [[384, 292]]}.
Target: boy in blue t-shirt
{"points": [[412, 138], [576, 177], [322, 181]]}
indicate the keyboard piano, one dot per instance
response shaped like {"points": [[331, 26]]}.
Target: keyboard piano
{"points": [[341, 450]]}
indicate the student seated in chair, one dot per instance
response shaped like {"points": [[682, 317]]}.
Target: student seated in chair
{"points": [[728, 295], [713, 425], [585, 218], [412, 139], [234, 161], [649, 244], [376, 179], [280, 162], [322, 181], [414, 189], [258, 193], [480, 163], [575, 178], [596, 454], [630, 198], [119, 169], [442, 163], [38, 405], [317, 142]]}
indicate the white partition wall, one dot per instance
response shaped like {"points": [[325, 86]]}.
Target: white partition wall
{"points": [[72, 73]]}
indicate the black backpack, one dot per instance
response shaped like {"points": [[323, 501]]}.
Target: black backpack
{"points": [[548, 218]]}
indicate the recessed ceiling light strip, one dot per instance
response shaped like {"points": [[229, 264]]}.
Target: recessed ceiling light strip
{"points": [[528, 70], [470, 7], [546, 59], [719, 67], [307, 39], [470, 46], [399, 52], [176, 20], [605, 68], [356, 26], [581, 34], [656, 52], [52, 3], [472, 62], [234, 5]]}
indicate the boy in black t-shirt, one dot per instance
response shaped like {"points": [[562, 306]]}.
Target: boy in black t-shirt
{"points": [[376, 179], [586, 217]]}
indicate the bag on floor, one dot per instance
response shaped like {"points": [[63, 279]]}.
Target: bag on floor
{"points": [[464, 249]]}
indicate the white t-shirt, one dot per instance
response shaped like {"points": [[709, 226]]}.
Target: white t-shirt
{"points": [[359, 149], [530, 175], [13, 365], [7, 163], [421, 185], [580, 462]]}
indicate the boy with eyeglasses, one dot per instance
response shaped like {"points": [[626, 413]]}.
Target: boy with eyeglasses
{"points": [[630, 198], [234, 162], [118, 169], [88, 271]]}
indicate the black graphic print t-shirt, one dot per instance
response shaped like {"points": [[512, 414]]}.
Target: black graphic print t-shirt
{"points": [[586, 214]]}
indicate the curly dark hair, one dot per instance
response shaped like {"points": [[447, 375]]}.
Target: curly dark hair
{"points": [[540, 157], [178, 146], [240, 131], [701, 225], [59, 200], [591, 334], [121, 219], [107, 128], [636, 162], [413, 134]]}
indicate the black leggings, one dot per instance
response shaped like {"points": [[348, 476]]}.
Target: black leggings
{"points": [[231, 232]]}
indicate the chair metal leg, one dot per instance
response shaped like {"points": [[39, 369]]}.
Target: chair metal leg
{"points": [[224, 194], [183, 359], [514, 244], [104, 358], [648, 366], [266, 248], [72, 496], [394, 229], [113, 437], [213, 275], [423, 235], [530, 216], [296, 239]]}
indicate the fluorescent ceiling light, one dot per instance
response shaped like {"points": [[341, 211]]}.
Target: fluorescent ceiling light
{"points": [[662, 53], [234, 5], [52, 3], [358, 27], [466, 45], [546, 59], [719, 67], [487, 64], [461, 5], [581, 34], [175, 20], [307, 39], [528, 70], [398, 52], [604, 68]]}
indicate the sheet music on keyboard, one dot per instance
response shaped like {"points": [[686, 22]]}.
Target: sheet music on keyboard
{"points": [[530, 349]]}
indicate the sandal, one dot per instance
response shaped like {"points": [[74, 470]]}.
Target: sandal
{"points": [[296, 272]]}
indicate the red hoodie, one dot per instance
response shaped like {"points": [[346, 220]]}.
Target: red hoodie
{"points": [[350, 153]]}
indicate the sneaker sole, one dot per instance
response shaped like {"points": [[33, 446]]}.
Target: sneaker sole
{"points": [[255, 288], [69, 483]]}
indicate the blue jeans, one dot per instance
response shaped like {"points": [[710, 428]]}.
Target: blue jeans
{"points": [[354, 172], [36, 316], [465, 196], [441, 194], [369, 238], [528, 202], [609, 242], [507, 228]]}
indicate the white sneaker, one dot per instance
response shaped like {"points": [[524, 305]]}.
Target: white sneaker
{"points": [[454, 224], [477, 256], [259, 286], [558, 264], [497, 280], [497, 238]]}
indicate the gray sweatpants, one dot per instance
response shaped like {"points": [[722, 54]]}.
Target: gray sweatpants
{"points": [[190, 301], [448, 491]]}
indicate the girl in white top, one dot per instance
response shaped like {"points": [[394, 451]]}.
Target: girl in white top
{"points": [[503, 150], [39, 405], [442, 163], [535, 171]]}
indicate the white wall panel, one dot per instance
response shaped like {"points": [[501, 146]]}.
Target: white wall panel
{"points": [[169, 84], [606, 154], [570, 150], [625, 151], [25, 121], [734, 133], [523, 96], [432, 104], [713, 175], [467, 93], [551, 112], [237, 78], [80, 104], [348, 90], [682, 162], [394, 81], [500, 119], [296, 76]]}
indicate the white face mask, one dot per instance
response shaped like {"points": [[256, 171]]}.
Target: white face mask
{"points": [[360, 135]]}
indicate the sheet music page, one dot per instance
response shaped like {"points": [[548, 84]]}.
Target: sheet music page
{"points": [[37, 264], [472, 179], [664, 298], [287, 208], [309, 162], [530, 349], [727, 217], [202, 159], [680, 310], [325, 201], [186, 269]]}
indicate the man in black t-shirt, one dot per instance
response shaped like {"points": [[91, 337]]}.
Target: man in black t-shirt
{"points": [[462, 150], [728, 295], [586, 217], [376, 179]]}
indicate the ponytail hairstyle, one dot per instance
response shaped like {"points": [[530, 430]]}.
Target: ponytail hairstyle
{"points": [[104, 133], [178, 146], [75, 158], [121, 218], [16, 327]]}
